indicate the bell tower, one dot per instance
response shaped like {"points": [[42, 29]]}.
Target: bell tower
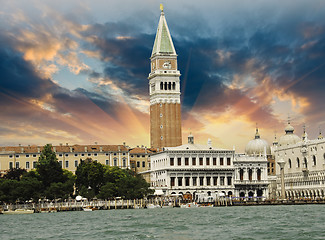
{"points": [[164, 88]]}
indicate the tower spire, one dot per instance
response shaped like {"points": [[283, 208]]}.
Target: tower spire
{"points": [[164, 88], [163, 42]]}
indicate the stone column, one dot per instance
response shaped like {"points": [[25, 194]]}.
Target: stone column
{"points": [[281, 163]]}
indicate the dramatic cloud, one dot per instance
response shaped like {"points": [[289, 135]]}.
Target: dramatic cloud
{"points": [[78, 72]]}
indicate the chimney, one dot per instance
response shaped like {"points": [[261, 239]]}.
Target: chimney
{"points": [[22, 150], [119, 148], [54, 149], [70, 149], [67, 144], [124, 144], [38, 149], [95, 143], [100, 148], [61, 144], [85, 149]]}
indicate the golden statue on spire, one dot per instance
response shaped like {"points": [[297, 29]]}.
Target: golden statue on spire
{"points": [[161, 7]]}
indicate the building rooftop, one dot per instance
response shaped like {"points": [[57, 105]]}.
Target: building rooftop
{"points": [[66, 148]]}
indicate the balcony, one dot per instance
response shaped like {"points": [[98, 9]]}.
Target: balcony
{"points": [[253, 182]]}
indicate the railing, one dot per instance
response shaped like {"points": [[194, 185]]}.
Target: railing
{"points": [[251, 182]]}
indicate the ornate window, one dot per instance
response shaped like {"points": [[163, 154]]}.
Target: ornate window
{"points": [[259, 174], [186, 161], [241, 174], [290, 163], [314, 160], [179, 161], [298, 162], [171, 163], [250, 174]]}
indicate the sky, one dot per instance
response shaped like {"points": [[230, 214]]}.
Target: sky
{"points": [[76, 71]]}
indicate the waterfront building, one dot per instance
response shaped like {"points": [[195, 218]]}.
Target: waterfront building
{"points": [[251, 179], [202, 170], [68, 156], [193, 169], [140, 160], [304, 165], [164, 89]]}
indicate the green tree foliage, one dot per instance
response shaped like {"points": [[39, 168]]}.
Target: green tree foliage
{"points": [[15, 173], [48, 167], [57, 183], [22, 188], [95, 179], [90, 177], [123, 183]]}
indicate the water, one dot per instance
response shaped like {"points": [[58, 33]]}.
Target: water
{"points": [[249, 222]]}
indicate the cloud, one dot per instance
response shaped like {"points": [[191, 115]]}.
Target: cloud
{"points": [[243, 61]]}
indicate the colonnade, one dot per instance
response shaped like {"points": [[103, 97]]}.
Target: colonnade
{"points": [[304, 193]]}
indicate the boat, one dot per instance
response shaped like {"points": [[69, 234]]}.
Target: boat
{"points": [[189, 205], [169, 205], [87, 209], [153, 206], [19, 211]]}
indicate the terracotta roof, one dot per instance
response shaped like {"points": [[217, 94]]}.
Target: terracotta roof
{"points": [[142, 150], [66, 148]]}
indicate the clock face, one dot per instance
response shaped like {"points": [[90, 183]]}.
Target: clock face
{"points": [[167, 65]]}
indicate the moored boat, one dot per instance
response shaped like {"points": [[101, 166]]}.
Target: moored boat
{"points": [[19, 211], [189, 205]]}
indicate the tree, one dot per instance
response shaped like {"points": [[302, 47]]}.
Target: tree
{"points": [[57, 183], [123, 183], [48, 168], [20, 185], [133, 186], [90, 177], [15, 173]]}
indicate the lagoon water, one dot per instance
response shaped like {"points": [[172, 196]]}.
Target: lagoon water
{"points": [[251, 222]]}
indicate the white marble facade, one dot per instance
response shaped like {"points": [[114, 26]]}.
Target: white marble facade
{"points": [[204, 170], [304, 169]]}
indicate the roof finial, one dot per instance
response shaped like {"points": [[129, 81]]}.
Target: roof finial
{"points": [[257, 135], [161, 7], [275, 142], [304, 135], [320, 134]]}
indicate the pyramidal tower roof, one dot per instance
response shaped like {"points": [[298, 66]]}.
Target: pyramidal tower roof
{"points": [[163, 41]]}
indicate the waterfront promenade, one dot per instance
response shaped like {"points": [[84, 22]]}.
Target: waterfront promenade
{"points": [[73, 205]]}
